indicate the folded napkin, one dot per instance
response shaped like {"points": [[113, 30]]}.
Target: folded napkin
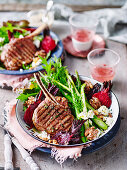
{"points": [[29, 143], [112, 22]]}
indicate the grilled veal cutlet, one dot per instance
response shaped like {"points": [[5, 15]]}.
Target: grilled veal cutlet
{"points": [[17, 52], [53, 114]]}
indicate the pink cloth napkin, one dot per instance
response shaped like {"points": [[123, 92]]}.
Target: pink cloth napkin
{"points": [[29, 143]]}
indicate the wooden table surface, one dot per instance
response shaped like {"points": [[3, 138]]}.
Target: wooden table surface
{"points": [[111, 157]]}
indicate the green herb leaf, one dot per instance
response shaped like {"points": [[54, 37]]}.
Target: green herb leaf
{"points": [[27, 93], [38, 37], [24, 97]]}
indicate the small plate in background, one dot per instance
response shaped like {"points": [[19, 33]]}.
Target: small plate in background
{"points": [[98, 42]]}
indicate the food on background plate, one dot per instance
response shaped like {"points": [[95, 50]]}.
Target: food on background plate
{"points": [[63, 109], [20, 23], [17, 52], [13, 58]]}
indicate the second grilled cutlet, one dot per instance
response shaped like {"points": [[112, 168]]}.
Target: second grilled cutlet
{"points": [[52, 117], [17, 52]]}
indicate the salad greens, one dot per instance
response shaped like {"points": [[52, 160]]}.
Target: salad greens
{"points": [[27, 93], [58, 75], [38, 37], [27, 67], [4, 35], [4, 32]]}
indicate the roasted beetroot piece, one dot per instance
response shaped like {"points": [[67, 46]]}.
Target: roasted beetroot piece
{"points": [[104, 95], [16, 30], [30, 110], [29, 113], [48, 44], [30, 29], [40, 96], [10, 35]]}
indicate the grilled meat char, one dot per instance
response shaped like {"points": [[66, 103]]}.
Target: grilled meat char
{"points": [[51, 117], [17, 52]]}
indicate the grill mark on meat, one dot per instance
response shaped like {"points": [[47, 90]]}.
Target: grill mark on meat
{"points": [[66, 126], [27, 57], [43, 107], [17, 51], [53, 122], [27, 49], [55, 118], [10, 55], [28, 54], [59, 125], [41, 110], [43, 114], [48, 119], [56, 112], [25, 53], [22, 54], [13, 58], [28, 46]]}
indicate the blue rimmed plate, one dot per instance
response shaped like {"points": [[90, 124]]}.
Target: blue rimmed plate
{"points": [[56, 53]]}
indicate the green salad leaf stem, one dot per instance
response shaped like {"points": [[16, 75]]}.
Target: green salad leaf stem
{"points": [[83, 98], [83, 138], [78, 80]]}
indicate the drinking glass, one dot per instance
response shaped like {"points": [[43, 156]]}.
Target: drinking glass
{"points": [[83, 28], [103, 63]]}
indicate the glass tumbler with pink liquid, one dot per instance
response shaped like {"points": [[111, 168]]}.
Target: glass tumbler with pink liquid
{"points": [[83, 29], [103, 63]]}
